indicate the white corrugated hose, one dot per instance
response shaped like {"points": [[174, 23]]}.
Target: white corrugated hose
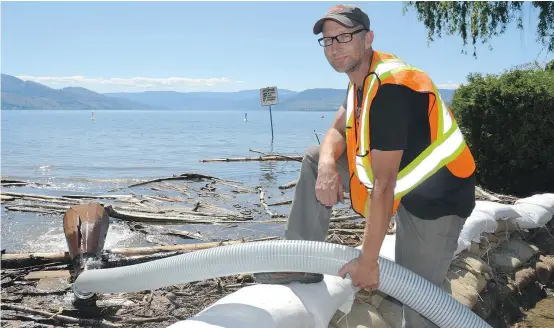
{"points": [[279, 256]]}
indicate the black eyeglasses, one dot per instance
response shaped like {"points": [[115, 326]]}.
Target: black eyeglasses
{"points": [[341, 38]]}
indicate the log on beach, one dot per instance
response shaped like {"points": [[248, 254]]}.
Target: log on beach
{"points": [[6, 198], [34, 209], [133, 213], [180, 248], [346, 218], [17, 260], [39, 197], [292, 158], [104, 196], [289, 185], [19, 183], [156, 229], [15, 182], [151, 217], [280, 203], [183, 176], [259, 159], [58, 317]]}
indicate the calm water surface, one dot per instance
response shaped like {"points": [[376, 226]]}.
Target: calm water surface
{"points": [[74, 154]]}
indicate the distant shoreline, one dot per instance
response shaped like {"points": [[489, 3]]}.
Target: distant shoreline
{"points": [[274, 109], [25, 95]]}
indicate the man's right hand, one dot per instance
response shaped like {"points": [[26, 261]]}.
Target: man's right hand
{"points": [[328, 187]]}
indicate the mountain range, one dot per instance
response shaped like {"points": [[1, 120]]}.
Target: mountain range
{"points": [[19, 94]]}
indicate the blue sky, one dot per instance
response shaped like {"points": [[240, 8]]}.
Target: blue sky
{"points": [[223, 46]]}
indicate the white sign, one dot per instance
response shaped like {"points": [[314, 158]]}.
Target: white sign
{"points": [[269, 96]]}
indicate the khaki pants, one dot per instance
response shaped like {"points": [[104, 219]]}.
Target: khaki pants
{"points": [[425, 247]]}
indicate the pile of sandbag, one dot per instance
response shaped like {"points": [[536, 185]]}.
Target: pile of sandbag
{"points": [[492, 244], [293, 305], [496, 218]]}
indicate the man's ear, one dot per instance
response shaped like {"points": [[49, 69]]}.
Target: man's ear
{"points": [[368, 39]]}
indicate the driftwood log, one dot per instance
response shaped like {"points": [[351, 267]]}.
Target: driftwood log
{"points": [[346, 218], [39, 197], [59, 317], [283, 202], [35, 209], [184, 176], [19, 183], [288, 185], [254, 159], [152, 217], [137, 212], [294, 158], [155, 229], [26, 259], [6, 198]]}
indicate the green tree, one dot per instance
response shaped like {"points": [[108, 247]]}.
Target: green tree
{"points": [[508, 122], [481, 20], [550, 66]]}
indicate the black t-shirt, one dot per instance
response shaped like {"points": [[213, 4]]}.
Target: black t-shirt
{"points": [[399, 121]]}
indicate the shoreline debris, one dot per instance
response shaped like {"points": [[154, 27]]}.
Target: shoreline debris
{"points": [[37, 281]]}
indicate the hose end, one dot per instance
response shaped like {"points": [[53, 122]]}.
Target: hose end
{"points": [[80, 295]]}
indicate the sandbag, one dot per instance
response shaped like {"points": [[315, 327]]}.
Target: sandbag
{"points": [[544, 268], [468, 276], [323, 299], [362, 315], [522, 278], [489, 242], [466, 286], [505, 226], [373, 297], [271, 306], [532, 216], [476, 224], [472, 263], [391, 311], [511, 255], [498, 211], [545, 201], [377, 298]]}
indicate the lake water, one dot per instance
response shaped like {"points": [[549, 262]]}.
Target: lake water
{"points": [[73, 153]]}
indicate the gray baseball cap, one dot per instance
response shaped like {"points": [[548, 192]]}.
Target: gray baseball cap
{"points": [[346, 15]]}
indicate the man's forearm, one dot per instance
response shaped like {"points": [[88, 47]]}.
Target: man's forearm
{"points": [[377, 223], [332, 147]]}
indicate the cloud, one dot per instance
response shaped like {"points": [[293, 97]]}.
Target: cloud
{"points": [[448, 85], [169, 83]]}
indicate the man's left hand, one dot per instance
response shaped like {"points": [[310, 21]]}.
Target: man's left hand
{"points": [[364, 273]]}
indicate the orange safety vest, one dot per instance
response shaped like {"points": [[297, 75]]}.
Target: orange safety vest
{"points": [[448, 147]]}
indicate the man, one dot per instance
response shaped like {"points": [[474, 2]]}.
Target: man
{"points": [[397, 148]]}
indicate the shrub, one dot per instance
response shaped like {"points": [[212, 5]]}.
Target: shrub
{"points": [[550, 66], [508, 122]]}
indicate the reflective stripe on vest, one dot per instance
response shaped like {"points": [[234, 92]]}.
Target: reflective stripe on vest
{"points": [[449, 142]]}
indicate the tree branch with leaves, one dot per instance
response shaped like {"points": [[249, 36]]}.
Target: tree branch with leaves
{"points": [[480, 20]]}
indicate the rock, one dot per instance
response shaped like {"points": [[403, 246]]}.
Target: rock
{"points": [[170, 296]]}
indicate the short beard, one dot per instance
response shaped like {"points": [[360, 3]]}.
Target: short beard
{"points": [[354, 67], [349, 69]]}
